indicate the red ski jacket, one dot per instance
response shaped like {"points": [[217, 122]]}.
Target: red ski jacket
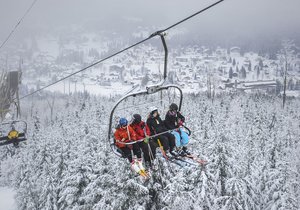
{"points": [[124, 135], [141, 129]]}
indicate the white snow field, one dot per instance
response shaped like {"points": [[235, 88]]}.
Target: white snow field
{"points": [[250, 142], [7, 201]]}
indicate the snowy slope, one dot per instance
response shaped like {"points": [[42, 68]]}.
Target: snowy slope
{"points": [[7, 201], [251, 143]]}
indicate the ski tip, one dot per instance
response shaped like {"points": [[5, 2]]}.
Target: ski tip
{"points": [[203, 162]]}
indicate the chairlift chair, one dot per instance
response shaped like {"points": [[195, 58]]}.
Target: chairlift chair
{"points": [[13, 132], [149, 91]]}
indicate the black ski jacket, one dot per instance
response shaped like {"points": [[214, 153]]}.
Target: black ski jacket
{"points": [[156, 125], [172, 118]]}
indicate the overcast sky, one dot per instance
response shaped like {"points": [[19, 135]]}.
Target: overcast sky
{"points": [[232, 18]]}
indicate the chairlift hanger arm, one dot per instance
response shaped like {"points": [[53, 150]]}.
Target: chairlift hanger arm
{"points": [[12, 123], [162, 35], [15, 121]]}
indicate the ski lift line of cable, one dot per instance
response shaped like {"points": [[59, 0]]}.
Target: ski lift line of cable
{"points": [[187, 18], [158, 33], [18, 23]]}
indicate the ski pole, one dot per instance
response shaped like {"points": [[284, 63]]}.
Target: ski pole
{"points": [[165, 156], [162, 149], [150, 152], [153, 161]]}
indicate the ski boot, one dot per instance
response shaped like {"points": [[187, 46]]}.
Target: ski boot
{"points": [[135, 167], [186, 151], [174, 153], [181, 152], [168, 155], [16, 144]]}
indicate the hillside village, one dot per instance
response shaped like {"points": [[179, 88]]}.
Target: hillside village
{"points": [[194, 68]]}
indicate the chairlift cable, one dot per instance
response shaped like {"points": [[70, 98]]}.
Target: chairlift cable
{"points": [[18, 23], [187, 18]]}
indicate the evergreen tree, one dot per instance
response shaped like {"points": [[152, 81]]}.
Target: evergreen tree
{"points": [[291, 85], [243, 73], [233, 62], [250, 66], [257, 72], [230, 73], [145, 80], [261, 64], [251, 144]]}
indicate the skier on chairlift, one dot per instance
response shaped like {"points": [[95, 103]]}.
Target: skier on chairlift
{"points": [[173, 121], [125, 134], [13, 135], [143, 132], [156, 125]]}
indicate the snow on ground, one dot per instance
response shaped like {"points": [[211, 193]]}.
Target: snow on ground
{"points": [[7, 201], [291, 93]]}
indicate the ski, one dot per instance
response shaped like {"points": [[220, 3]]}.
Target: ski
{"points": [[172, 160], [196, 159], [180, 158], [182, 164], [143, 176], [143, 171], [146, 174], [142, 179], [138, 168]]}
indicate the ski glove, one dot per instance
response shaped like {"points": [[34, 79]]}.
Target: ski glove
{"points": [[146, 140], [180, 123]]}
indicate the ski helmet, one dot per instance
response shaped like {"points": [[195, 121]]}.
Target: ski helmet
{"points": [[173, 107], [123, 121], [152, 109], [137, 118]]}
